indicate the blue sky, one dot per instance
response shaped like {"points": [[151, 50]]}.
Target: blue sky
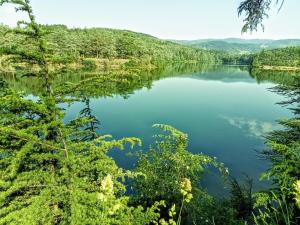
{"points": [[169, 19]]}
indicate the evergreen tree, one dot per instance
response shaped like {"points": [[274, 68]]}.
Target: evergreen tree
{"points": [[49, 173], [279, 203], [255, 12]]}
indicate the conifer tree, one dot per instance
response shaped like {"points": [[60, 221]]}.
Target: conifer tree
{"points": [[49, 172], [284, 154], [255, 11]]}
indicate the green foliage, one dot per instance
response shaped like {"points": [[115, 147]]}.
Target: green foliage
{"points": [[283, 151], [34, 49], [51, 175], [241, 198], [285, 163], [280, 205], [273, 210], [69, 45], [164, 167], [49, 172], [223, 45], [234, 59], [255, 12], [89, 64], [278, 57]]}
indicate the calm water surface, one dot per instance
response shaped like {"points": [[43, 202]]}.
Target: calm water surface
{"points": [[225, 113]]}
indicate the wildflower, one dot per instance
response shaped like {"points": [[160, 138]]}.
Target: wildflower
{"points": [[101, 197], [186, 185], [186, 189], [107, 185], [297, 193]]}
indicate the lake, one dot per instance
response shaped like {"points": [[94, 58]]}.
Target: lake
{"points": [[225, 112]]}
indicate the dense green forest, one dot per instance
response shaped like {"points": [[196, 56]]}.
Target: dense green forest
{"points": [[285, 57], [109, 48], [78, 45], [56, 172], [254, 52]]}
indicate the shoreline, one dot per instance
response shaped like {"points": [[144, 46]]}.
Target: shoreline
{"points": [[278, 68]]}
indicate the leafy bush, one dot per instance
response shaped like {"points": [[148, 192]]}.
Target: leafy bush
{"points": [[162, 170], [89, 64]]}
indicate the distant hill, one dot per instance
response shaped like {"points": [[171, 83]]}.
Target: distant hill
{"points": [[239, 46]]}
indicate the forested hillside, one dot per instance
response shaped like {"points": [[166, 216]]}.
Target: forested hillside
{"points": [[285, 57], [67, 45], [220, 45], [240, 46]]}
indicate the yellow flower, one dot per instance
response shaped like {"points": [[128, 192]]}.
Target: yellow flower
{"points": [[189, 197], [297, 193], [186, 185], [107, 185], [101, 197], [186, 189]]}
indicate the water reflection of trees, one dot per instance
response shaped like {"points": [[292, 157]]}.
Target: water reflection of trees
{"points": [[101, 83], [93, 122], [125, 82], [277, 77]]}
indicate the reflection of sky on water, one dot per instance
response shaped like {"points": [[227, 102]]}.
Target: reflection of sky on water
{"points": [[252, 127]]}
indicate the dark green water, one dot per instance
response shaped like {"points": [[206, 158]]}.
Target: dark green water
{"points": [[225, 112]]}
